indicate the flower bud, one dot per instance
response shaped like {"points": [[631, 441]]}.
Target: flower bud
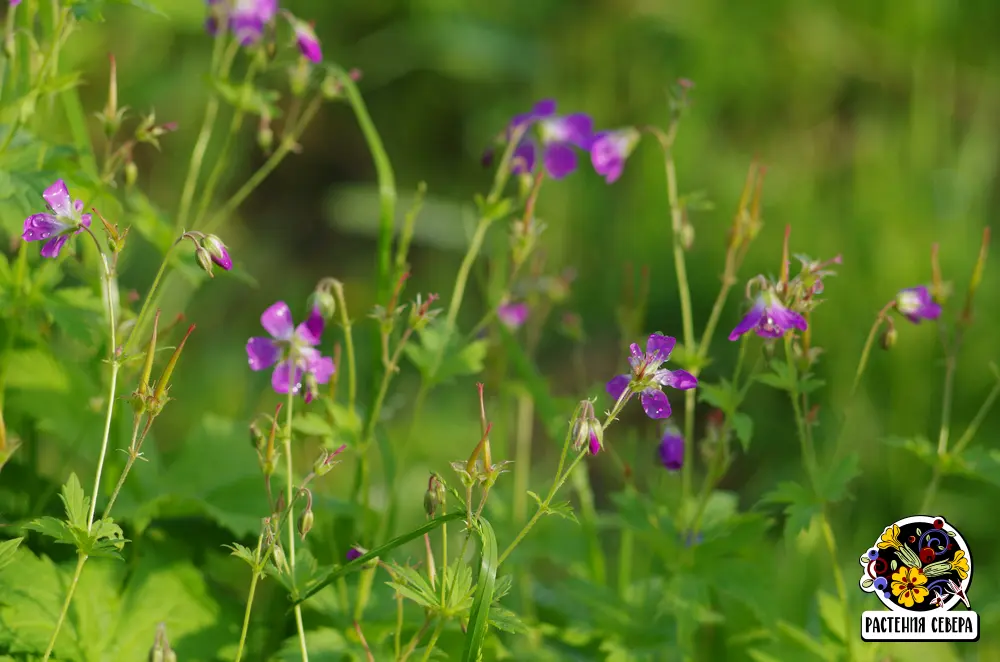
{"points": [[217, 251], [435, 495], [131, 174], [888, 337], [323, 301], [298, 78], [306, 523], [687, 236], [204, 260], [280, 562], [587, 430]]}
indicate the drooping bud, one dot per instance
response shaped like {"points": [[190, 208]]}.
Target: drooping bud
{"points": [[587, 431], [280, 561], [435, 495], [217, 251], [671, 449], [131, 174], [323, 301], [204, 260], [306, 523], [889, 335]]}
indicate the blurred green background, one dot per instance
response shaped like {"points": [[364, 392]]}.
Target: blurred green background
{"points": [[877, 122]]}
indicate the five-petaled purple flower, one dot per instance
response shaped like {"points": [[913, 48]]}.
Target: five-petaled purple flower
{"points": [[916, 304], [672, 449], [56, 228], [560, 135], [769, 318], [512, 315], [306, 38], [648, 378], [610, 150], [292, 348]]}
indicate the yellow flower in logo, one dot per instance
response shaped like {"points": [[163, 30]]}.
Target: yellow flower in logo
{"points": [[890, 538], [960, 564], [908, 586]]}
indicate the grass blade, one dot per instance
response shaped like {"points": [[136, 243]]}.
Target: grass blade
{"points": [[479, 616]]}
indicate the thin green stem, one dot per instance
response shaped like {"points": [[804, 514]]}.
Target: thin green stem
{"points": [[246, 614], [286, 147], [415, 639], [222, 160], [951, 364], [522, 457], [65, 608], [444, 561], [207, 125], [150, 296], [869, 343], [684, 291], [433, 642], [132, 455], [345, 322], [289, 495]]}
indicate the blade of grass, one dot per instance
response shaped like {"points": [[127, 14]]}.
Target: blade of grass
{"points": [[479, 615]]}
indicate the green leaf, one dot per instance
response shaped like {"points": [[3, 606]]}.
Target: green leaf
{"points": [[743, 426], [919, 446], [721, 396], [75, 502], [8, 548], [800, 506], [381, 550], [831, 610], [796, 634], [36, 370], [455, 360], [485, 584], [54, 528], [493, 211], [249, 99], [780, 377], [243, 552], [313, 425], [506, 620], [833, 483]]}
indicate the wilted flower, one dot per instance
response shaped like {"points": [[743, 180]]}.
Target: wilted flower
{"points": [[56, 228], [512, 315], [306, 38], [672, 449], [609, 151], [769, 318], [559, 136], [916, 304], [648, 378], [292, 348]]}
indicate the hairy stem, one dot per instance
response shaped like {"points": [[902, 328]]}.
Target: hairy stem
{"points": [[433, 641], [290, 496], [246, 613], [65, 608]]}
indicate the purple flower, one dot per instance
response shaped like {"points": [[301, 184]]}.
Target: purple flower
{"points": [[217, 251], [292, 350], [609, 151], [648, 378], [769, 318], [307, 40], [512, 315], [56, 228], [559, 135], [354, 553], [14, 3], [672, 449], [916, 304], [246, 18]]}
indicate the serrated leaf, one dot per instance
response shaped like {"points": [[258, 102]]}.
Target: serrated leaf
{"points": [[75, 502], [54, 528], [722, 396], [831, 610], [834, 481], [8, 548], [800, 506], [506, 620], [564, 510], [440, 359], [243, 552]]}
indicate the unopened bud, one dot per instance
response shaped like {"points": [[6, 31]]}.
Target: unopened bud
{"points": [[280, 562], [687, 236], [131, 173], [217, 251], [327, 460], [435, 495], [324, 302], [306, 523], [204, 260], [888, 337], [587, 430], [265, 136]]}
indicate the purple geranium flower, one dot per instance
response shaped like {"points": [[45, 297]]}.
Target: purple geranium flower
{"points": [[648, 378], [672, 449], [218, 251], [354, 553], [916, 304], [307, 40], [512, 315], [609, 151], [56, 228], [559, 135], [246, 18], [769, 318], [292, 348]]}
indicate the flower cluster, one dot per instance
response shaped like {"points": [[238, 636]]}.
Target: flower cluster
{"points": [[249, 19], [558, 138], [292, 351]]}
